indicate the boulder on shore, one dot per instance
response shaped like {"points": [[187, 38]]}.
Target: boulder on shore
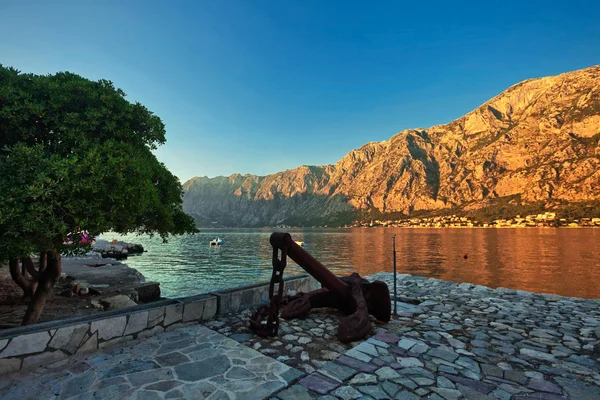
{"points": [[116, 249], [118, 301]]}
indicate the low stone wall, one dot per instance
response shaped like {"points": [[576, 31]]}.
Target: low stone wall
{"points": [[239, 299], [35, 345]]}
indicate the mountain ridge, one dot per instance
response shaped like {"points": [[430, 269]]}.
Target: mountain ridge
{"points": [[538, 140]]}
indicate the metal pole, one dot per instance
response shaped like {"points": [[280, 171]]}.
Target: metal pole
{"points": [[395, 297]]}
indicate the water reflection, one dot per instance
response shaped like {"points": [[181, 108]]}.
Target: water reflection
{"points": [[561, 261]]}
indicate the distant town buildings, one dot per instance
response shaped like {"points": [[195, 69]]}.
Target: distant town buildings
{"points": [[547, 219]]}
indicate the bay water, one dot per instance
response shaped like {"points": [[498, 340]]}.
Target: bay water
{"points": [[560, 261]]}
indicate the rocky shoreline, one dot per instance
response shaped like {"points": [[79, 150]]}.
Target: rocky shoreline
{"points": [[449, 341], [88, 284], [118, 250]]}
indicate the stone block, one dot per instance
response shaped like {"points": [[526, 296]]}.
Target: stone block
{"points": [[173, 313], [293, 285], [210, 308], [314, 284], [358, 355], [537, 354], [235, 301], [264, 299], [256, 298], [338, 372], [43, 359], [224, 304], [109, 328], [90, 344], [136, 322], [247, 299], [309, 284], [356, 364], [69, 337], [156, 316], [291, 375], [367, 348], [3, 343], [474, 384], [9, 365], [148, 292], [388, 337], [299, 285], [319, 383], [26, 344], [446, 355], [119, 301], [193, 311], [303, 285], [516, 376]]}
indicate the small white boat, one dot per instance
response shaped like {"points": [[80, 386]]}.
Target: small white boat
{"points": [[301, 244], [216, 241]]}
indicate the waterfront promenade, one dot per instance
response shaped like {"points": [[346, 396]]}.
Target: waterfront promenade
{"points": [[449, 342]]}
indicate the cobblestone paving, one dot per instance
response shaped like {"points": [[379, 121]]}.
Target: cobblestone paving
{"points": [[304, 344], [188, 363], [463, 341]]}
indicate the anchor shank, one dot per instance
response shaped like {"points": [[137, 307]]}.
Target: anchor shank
{"points": [[281, 240]]}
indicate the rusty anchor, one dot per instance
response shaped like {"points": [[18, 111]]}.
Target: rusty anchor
{"points": [[352, 295]]}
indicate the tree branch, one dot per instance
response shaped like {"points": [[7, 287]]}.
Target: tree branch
{"points": [[31, 268], [16, 273]]}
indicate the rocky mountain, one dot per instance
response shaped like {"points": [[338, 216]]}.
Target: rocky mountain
{"points": [[538, 141]]}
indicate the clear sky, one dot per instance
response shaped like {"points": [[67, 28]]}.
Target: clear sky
{"points": [[257, 86]]}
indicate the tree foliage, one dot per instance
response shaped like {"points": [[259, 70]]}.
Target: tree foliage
{"points": [[75, 154]]}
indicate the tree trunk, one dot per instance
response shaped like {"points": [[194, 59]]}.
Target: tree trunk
{"points": [[45, 285], [19, 274], [42, 261]]}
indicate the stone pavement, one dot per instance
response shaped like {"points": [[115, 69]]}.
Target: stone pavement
{"points": [[303, 344], [449, 342], [188, 363], [469, 342]]}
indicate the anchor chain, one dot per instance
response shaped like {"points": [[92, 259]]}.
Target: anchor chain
{"points": [[265, 321]]}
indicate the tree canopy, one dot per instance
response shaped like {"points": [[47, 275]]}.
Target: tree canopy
{"points": [[76, 155]]}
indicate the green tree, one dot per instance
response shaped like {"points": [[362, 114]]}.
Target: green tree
{"points": [[75, 155]]}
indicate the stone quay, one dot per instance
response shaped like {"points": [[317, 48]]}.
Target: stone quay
{"points": [[448, 341]]}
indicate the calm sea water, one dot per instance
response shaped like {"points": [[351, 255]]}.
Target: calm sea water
{"points": [[560, 261]]}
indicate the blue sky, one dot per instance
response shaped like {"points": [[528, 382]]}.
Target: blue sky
{"points": [[257, 86]]}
